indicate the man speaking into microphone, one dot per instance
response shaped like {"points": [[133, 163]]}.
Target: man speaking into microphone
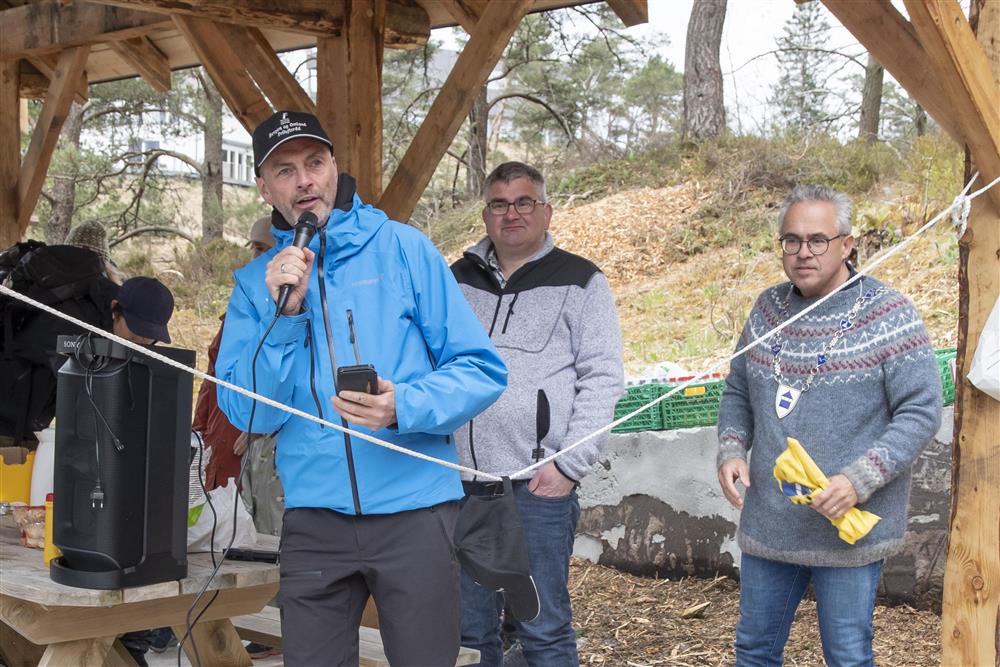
{"points": [[374, 334]]}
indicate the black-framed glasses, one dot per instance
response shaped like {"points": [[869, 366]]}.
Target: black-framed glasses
{"points": [[523, 205], [791, 245]]}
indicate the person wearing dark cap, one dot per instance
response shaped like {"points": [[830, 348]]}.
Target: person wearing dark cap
{"points": [[141, 310], [361, 519]]}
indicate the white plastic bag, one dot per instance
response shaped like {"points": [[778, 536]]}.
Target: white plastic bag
{"points": [[985, 371], [200, 519]]}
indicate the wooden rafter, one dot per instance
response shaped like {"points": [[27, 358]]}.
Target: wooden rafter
{"points": [[451, 106], [267, 70], [10, 150], [146, 59], [893, 41], [226, 69], [631, 12], [406, 23], [45, 63], [49, 26], [349, 94], [465, 12], [959, 62], [46, 134], [32, 83]]}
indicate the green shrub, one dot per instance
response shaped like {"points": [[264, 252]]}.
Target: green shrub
{"points": [[203, 275]]}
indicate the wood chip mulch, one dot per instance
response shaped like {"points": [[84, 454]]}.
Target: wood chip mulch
{"points": [[629, 621]]}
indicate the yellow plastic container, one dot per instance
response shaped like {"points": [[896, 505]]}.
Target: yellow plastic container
{"points": [[15, 475], [51, 550]]}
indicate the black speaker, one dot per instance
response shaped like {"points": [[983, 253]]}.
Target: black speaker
{"points": [[123, 433]]}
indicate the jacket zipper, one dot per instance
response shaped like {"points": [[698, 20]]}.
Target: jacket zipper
{"points": [[354, 339], [311, 344], [333, 369], [510, 311]]}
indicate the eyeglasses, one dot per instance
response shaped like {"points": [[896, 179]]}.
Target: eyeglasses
{"points": [[791, 245], [524, 206]]}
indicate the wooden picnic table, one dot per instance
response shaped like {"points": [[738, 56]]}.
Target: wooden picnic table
{"points": [[80, 627]]}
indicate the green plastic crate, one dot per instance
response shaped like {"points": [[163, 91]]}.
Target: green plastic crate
{"points": [[695, 405], [945, 359], [634, 398]]}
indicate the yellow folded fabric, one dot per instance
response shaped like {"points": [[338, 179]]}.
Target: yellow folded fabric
{"points": [[800, 479]]}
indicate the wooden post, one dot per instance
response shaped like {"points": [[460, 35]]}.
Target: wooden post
{"points": [[10, 151], [349, 93], [451, 106], [971, 607], [43, 140]]}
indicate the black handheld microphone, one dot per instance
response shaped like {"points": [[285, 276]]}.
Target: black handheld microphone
{"points": [[305, 228]]}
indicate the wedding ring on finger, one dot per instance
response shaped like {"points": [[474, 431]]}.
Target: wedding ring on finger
{"points": [[282, 268]]}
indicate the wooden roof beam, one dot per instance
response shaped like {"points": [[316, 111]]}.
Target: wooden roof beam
{"points": [[32, 84], [226, 69], [49, 26], [465, 12], [892, 40], [45, 64], [407, 24], [962, 66], [452, 104], [631, 12], [267, 70], [46, 134], [10, 152], [146, 59]]}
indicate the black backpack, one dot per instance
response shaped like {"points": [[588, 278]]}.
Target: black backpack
{"points": [[71, 280]]}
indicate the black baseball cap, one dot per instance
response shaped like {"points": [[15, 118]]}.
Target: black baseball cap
{"points": [[489, 544], [146, 305], [284, 126]]}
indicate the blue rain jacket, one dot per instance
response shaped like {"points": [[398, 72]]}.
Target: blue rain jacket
{"points": [[412, 323]]}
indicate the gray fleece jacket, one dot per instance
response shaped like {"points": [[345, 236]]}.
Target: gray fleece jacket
{"points": [[874, 404], [554, 323]]}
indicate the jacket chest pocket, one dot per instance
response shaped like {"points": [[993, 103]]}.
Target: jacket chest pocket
{"points": [[526, 321]]}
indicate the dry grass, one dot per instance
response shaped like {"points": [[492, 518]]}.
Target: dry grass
{"points": [[682, 303], [624, 620]]}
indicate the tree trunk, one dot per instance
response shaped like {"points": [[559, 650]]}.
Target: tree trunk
{"points": [[212, 215], [871, 101], [64, 184], [920, 121], [704, 112], [475, 173]]}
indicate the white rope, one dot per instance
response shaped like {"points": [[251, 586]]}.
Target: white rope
{"points": [[960, 209], [240, 390], [743, 350], [962, 201]]}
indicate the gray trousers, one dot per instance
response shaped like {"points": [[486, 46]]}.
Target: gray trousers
{"points": [[331, 562]]}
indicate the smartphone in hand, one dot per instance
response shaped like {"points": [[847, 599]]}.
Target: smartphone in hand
{"points": [[362, 378]]}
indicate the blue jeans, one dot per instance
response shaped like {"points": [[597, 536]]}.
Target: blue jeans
{"points": [[770, 592], [549, 640]]}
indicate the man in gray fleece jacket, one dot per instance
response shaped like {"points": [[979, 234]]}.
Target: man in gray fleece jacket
{"points": [[551, 315], [855, 381]]}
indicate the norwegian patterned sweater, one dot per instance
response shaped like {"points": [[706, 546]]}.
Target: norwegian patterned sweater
{"points": [[871, 409]]}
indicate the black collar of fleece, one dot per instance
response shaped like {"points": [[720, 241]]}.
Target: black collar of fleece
{"points": [[346, 187]]}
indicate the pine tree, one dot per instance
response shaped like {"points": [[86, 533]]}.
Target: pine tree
{"points": [[801, 95]]}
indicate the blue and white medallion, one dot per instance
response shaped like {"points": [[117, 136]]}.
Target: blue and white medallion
{"points": [[785, 400]]}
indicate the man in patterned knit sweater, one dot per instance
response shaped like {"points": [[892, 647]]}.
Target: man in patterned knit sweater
{"points": [[856, 382]]}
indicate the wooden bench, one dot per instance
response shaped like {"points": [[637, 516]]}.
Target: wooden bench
{"points": [[264, 627]]}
